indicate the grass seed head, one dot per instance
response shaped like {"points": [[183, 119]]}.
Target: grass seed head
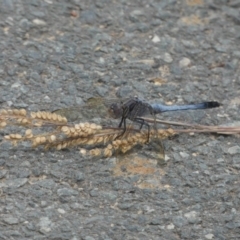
{"points": [[3, 112], [66, 130], [95, 152], [3, 124], [91, 141], [28, 133], [22, 120], [86, 125], [33, 115], [43, 139], [125, 148], [44, 115], [16, 136], [107, 152], [116, 143], [38, 124], [52, 138], [9, 111], [77, 126], [95, 126], [60, 118], [109, 146], [37, 140], [165, 133], [72, 130], [39, 115], [59, 146], [15, 111], [99, 139], [23, 112], [54, 117], [25, 121]]}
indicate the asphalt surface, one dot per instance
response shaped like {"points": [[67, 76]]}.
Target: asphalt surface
{"points": [[59, 53]]}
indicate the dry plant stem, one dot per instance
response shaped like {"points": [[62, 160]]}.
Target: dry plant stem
{"points": [[65, 135], [219, 130], [176, 123], [198, 128]]}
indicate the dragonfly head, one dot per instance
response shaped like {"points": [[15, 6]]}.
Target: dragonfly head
{"points": [[115, 110]]}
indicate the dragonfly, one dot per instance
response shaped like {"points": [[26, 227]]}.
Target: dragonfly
{"points": [[132, 108]]}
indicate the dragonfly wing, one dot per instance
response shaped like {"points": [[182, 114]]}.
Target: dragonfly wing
{"points": [[155, 151], [92, 109], [83, 114], [95, 107], [72, 114]]}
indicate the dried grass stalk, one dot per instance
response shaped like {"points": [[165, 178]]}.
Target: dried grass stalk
{"points": [[65, 135]]}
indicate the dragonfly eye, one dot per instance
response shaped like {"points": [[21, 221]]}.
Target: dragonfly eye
{"points": [[115, 111]]}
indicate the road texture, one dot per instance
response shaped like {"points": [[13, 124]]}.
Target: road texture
{"points": [[59, 53]]}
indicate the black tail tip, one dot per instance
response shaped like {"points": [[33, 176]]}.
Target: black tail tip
{"points": [[212, 104]]}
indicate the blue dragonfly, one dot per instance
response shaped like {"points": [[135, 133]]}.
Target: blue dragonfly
{"points": [[132, 108], [135, 109]]}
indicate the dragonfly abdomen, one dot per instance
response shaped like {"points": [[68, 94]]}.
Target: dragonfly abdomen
{"points": [[159, 108]]}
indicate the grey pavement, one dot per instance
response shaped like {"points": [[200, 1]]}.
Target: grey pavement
{"points": [[59, 53]]}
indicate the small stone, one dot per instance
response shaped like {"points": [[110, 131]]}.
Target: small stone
{"points": [[14, 183], [234, 150], [10, 220], [24, 23], [44, 225], [220, 160], [39, 22], [170, 226], [184, 155], [16, 85], [62, 211], [156, 39], [179, 221], [79, 176], [156, 221], [185, 62], [43, 203], [110, 196], [192, 217], [46, 183], [167, 58], [3, 172], [135, 15], [88, 17], [220, 48], [94, 193], [66, 192], [209, 236], [89, 238]]}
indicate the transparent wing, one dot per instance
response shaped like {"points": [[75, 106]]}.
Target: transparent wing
{"points": [[94, 108]]}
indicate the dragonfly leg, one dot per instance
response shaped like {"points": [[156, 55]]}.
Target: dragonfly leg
{"points": [[143, 122], [123, 121]]}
